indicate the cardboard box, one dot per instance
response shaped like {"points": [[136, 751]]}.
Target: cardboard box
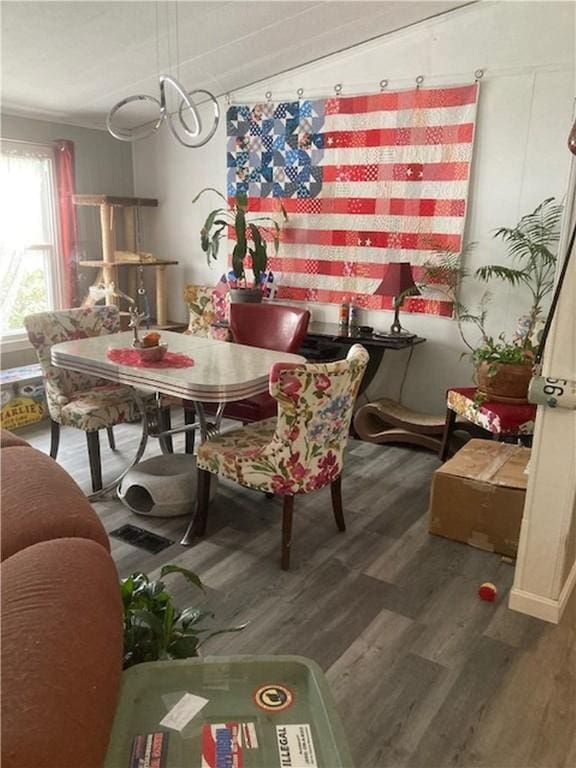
{"points": [[23, 400], [478, 496]]}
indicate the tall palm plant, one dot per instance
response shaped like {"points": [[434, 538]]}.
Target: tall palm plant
{"points": [[532, 245]]}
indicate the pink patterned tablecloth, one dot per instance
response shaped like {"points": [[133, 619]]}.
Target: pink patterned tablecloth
{"points": [[500, 418], [128, 356]]}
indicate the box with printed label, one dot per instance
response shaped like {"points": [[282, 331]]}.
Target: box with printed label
{"points": [[478, 496], [23, 396]]}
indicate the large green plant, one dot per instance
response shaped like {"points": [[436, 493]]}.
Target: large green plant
{"points": [[532, 250], [154, 628], [247, 230], [532, 246]]}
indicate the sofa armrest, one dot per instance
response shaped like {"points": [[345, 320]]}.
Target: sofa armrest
{"points": [[61, 654]]}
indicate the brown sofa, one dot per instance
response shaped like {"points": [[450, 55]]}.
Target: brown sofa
{"points": [[61, 617]]}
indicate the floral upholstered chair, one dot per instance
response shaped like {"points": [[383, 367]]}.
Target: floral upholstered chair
{"points": [[207, 305], [209, 311], [75, 399], [300, 451]]}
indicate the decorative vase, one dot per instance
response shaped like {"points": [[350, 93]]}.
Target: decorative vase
{"points": [[246, 295], [504, 382]]}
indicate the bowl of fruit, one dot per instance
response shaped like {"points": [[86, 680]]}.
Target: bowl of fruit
{"points": [[150, 348]]}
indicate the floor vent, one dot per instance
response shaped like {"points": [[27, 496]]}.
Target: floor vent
{"points": [[138, 537]]}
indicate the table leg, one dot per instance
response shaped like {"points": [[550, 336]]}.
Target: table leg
{"points": [[448, 429]]}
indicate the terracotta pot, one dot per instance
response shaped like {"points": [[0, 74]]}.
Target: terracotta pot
{"points": [[246, 295], [509, 382]]}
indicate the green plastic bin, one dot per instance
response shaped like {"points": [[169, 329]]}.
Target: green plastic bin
{"points": [[279, 707]]}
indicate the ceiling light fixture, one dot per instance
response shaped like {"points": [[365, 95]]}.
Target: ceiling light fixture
{"points": [[186, 105], [192, 137]]}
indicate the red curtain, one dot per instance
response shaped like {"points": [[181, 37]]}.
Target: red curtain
{"points": [[68, 222]]}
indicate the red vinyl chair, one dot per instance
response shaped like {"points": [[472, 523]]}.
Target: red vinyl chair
{"points": [[267, 326]]}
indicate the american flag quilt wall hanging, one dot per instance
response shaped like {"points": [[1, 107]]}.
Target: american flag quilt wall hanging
{"points": [[365, 180]]}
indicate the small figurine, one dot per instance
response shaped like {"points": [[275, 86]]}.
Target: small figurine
{"points": [[135, 320]]}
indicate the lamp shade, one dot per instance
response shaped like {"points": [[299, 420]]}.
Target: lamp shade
{"points": [[397, 279]]}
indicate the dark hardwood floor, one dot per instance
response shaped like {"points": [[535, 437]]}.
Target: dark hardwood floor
{"points": [[424, 674]]}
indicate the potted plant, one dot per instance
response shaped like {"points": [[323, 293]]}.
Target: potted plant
{"points": [[251, 235], [154, 628], [503, 368]]}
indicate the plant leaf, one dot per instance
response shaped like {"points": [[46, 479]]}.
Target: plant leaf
{"points": [[242, 201], [184, 647], [191, 616], [147, 619], [224, 632], [127, 590], [209, 189], [512, 276], [190, 576]]}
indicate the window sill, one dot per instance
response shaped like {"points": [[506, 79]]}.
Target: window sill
{"points": [[15, 343]]}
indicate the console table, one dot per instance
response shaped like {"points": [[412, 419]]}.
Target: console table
{"points": [[334, 337]]}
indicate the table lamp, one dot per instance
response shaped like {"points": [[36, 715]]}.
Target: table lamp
{"points": [[397, 281]]}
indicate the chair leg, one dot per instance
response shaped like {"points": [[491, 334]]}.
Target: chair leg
{"points": [[54, 438], [336, 491], [189, 418], [287, 516], [203, 501], [111, 439], [447, 434], [93, 440], [165, 423]]}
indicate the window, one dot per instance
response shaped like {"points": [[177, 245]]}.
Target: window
{"points": [[30, 279]]}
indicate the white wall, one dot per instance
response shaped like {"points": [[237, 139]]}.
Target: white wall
{"points": [[525, 110]]}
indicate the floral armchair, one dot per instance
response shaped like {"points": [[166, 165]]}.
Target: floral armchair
{"points": [[207, 305], [209, 313], [75, 399], [300, 451]]}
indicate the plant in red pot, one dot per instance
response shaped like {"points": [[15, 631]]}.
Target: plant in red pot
{"points": [[251, 235]]}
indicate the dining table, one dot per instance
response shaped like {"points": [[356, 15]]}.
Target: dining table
{"points": [[216, 372]]}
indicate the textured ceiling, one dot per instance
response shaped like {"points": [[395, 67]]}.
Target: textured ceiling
{"points": [[71, 61]]}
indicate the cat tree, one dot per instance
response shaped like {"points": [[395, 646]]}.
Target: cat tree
{"points": [[132, 259]]}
